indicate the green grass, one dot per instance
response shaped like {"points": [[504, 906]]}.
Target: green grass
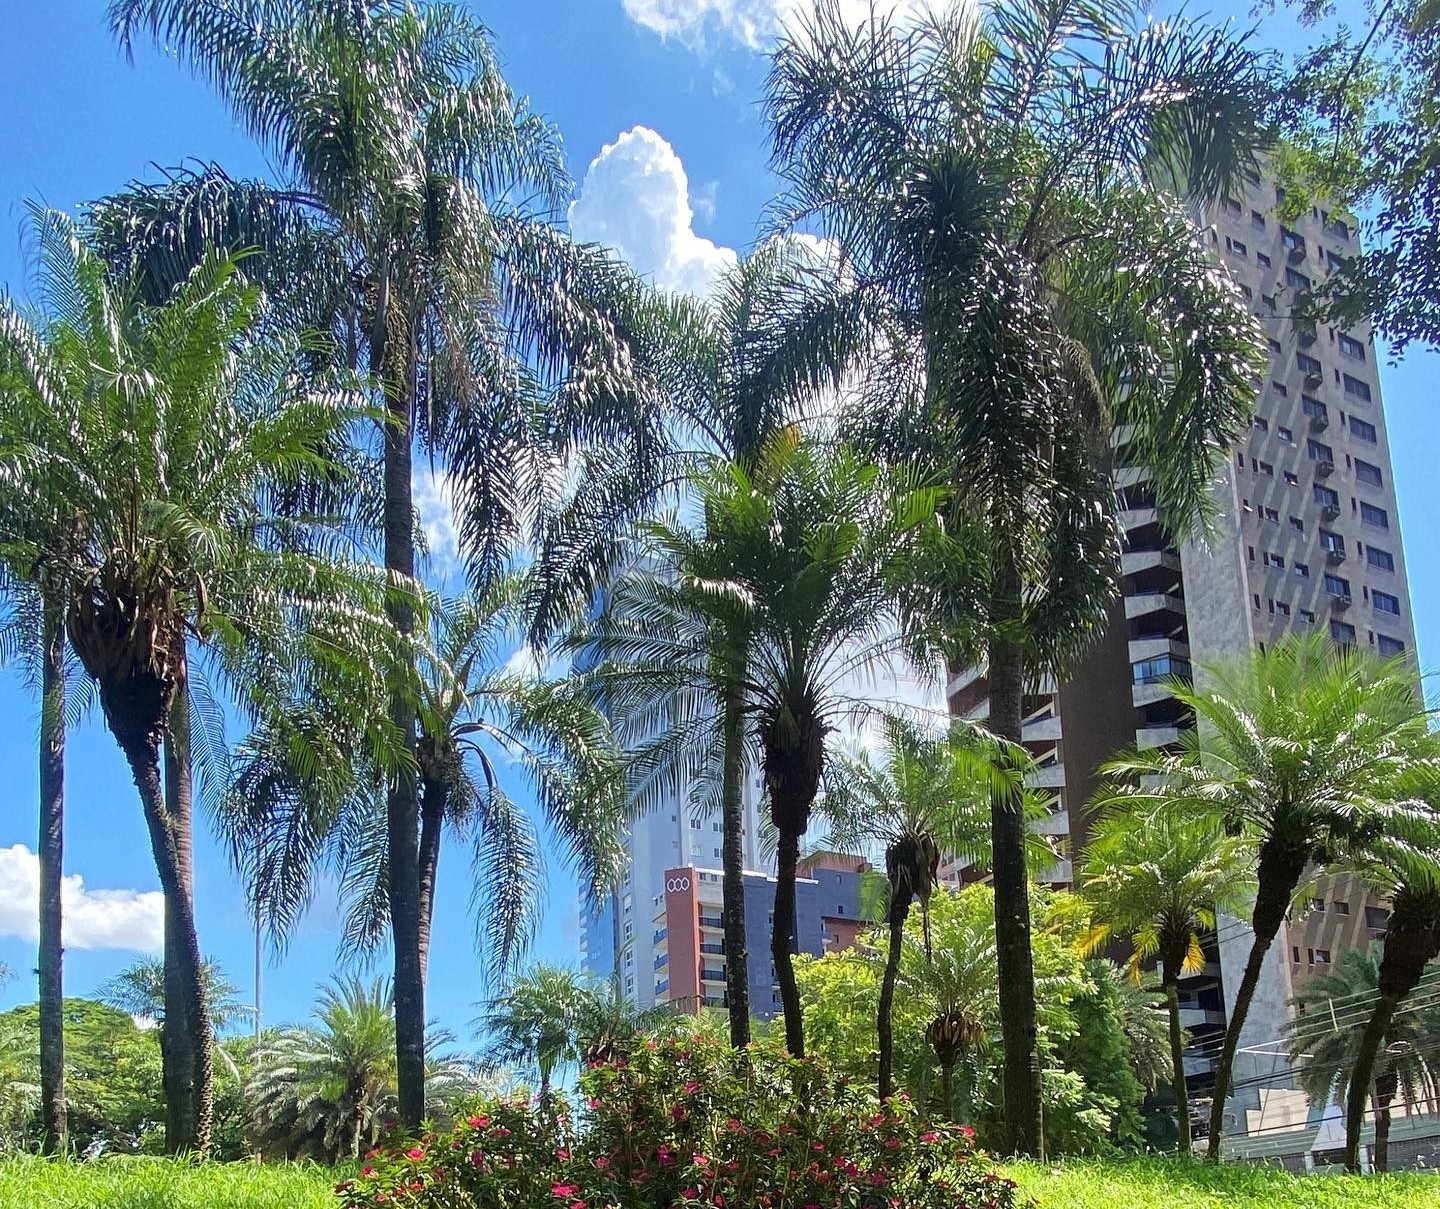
{"points": [[1135, 1184], [1160, 1184], [132, 1183]]}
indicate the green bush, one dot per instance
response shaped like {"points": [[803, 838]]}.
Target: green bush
{"points": [[691, 1125]]}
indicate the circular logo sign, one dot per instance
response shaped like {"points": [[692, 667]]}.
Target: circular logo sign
{"points": [[674, 884]]}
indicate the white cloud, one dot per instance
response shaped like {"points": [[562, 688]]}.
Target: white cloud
{"points": [[94, 919], [434, 501], [752, 23], [636, 199]]}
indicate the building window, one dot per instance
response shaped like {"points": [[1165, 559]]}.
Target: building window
{"points": [[1322, 957], [1363, 429], [1307, 617], [1297, 524], [1307, 363], [1285, 435], [1351, 347], [1257, 220], [1372, 515], [1296, 280], [1262, 260], [1385, 603], [1340, 907], [1302, 570], [1381, 559], [1260, 424], [1274, 560], [1282, 608], [1318, 451], [1332, 541], [1388, 646], [1342, 632], [1335, 262], [1270, 516], [1280, 389], [1236, 248], [1326, 497], [1232, 206], [1292, 478], [1356, 389], [1274, 345], [1368, 474], [1268, 300], [1266, 469], [1337, 585], [1376, 918], [1294, 241]]}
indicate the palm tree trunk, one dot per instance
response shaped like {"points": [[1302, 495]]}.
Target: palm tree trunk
{"points": [[1360, 1077], [782, 941], [433, 798], [52, 864], [1278, 872], [1015, 963], [185, 1006], [884, 1015], [732, 805], [947, 1087], [401, 802], [1386, 1083], [1177, 1059]]}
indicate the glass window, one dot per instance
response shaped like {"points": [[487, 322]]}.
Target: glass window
{"points": [[1262, 260], [1296, 280], [1270, 516], [1388, 646], [1274, 560], [1372, 515], [1235, 247], [1376, 917], [1326, 497], [1292, 478], [1274, 345], [1307, 617], [1377, 557], [1280, 389], [1342, 632], [1384, 602], [1293, 239], [1367, 473], [1332, 541], [1152, 671], [1285, 434], [1260, 424], [1337, 585], [1232, 205], [1302, 570], [1307, 363], [1340, 907], [1363, 429], [1313, 407], [1352, 347], [1319, 451], [1297, 524], [1257, 219], [1267, 469], [1356, 389]]}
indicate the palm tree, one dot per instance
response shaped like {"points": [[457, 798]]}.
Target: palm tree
{"points": [[404, 143], [309, 792], [161, 434], [754, 357], [992, 183], [928, 798], [1325, 1042], [1407, 872], [1159, 880], [552, 1017], [804, 555], [139, 991], [327, 1090], [1306, 751]]}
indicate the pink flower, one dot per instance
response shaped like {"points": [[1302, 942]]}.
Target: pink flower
{"points": [[577, 1205], [601, 1163], [702, 1160], [691, 1194], [564, 1190], [966, 1132], [562, 1154], [367, 1170], [414, 1153], [477, 1122], [477, 1157], [929, 1136], [502, 1132], [678, 1112], [691, 1088]]}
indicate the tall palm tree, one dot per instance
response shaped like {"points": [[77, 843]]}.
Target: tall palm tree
{"points": [[1404, 868], [163, 434], [1159, 880], [756, 355], [327, 1090], [1325, 1041], [403, 141], [309, 787], [804, 554], [1306, 751], [927, 799], [991, 178]]}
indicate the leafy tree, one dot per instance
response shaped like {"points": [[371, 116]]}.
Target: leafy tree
{"points": [[164, 433], [1306, 751], [752, 358], [1100, 1052], [929, 795], [803, 552], [309, 791], [1361, 135], [486, 331], [327, 1090], [1325, 1041], [1159, 880], [551, 1018], [995, 185]]}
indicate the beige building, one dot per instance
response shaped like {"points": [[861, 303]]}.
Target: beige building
{"points": [[1308, 538]]}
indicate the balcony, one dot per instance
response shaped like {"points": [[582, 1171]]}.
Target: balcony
{"points": [[712, 921], [1055, 823], [1194, 1017], [1143, 604], [1159, 650], [1135, 518], [1135, 561], [1334, 556], [1039, 730], [1156, 736], [1052, 776], [662, 961], [717, 950], [712, 974], [658, 937]]}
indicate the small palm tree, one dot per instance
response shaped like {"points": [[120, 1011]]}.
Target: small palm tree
{"points": [[1307, 752], [1326, 1043], [139, 991], [309, 790], [163, 437], [1404, 868], [927, 798], [1159, 880], [327, 1090], [804, 554]]}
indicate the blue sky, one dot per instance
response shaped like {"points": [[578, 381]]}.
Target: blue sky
{"points": [[657, 101]]}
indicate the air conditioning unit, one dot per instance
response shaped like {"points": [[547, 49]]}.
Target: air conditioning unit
{"points": [[1314, 381], [1330, 511], [1296, 254], [1340, 603], [1323, 470], [1319, 423], [1334, 557]]}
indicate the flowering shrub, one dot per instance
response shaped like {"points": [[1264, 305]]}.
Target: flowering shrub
{"points": [[690, 1125]]}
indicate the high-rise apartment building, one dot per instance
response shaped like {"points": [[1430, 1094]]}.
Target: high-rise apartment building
{"points": [[1307, 538]]}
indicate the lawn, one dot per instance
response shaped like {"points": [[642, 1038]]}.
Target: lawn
{"points": [[1135, 1184]]}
